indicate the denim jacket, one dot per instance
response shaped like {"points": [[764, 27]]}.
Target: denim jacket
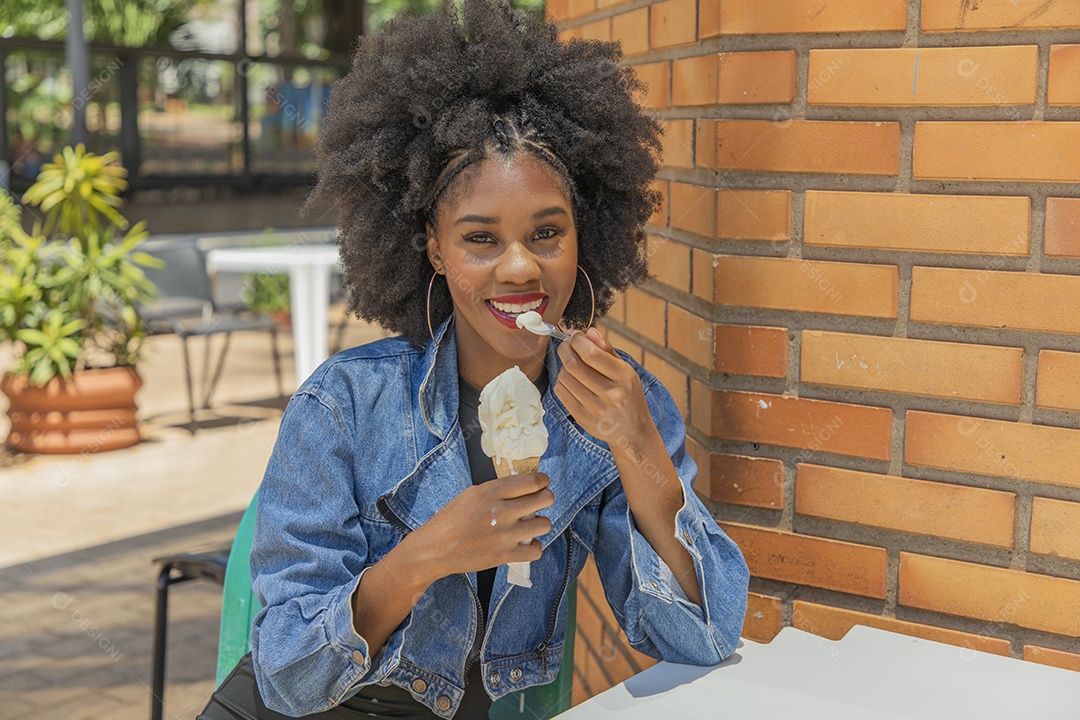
{"points": [[370, 448]]}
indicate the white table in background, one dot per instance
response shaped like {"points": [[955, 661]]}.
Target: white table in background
{"points": [[870, 674], [309, 267]]}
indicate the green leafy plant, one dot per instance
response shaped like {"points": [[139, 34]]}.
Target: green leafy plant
{"points": [[266, 293], [70, 288]]}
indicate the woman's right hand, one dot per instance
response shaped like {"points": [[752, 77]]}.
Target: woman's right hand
{"points": [[461, 536]]}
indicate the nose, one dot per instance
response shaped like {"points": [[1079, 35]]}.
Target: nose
{"points": [[517, 266]]}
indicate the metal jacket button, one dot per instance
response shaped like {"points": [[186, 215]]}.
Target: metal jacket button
{"points": [[515, 674], [419, 685], [443, 702], [358, 657], [493, 678]]}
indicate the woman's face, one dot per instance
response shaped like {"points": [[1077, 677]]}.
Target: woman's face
{"points": [[506, 243]]}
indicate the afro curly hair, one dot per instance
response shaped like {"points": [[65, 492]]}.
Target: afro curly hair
{"points": [[428, 96]]}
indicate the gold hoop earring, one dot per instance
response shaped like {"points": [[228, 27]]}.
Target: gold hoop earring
{"points": [[431, 330], [592, 298]]}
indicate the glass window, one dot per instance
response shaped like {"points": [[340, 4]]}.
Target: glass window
{"points": [[188, 118], [286, 107]]}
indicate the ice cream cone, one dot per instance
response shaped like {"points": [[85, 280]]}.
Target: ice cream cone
{"points": [[512, 426], [506, 468]]}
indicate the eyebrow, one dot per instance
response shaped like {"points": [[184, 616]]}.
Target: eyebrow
{"points": [[486, 220]]}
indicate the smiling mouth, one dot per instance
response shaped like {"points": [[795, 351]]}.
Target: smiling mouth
{"points": [[507, 313]]}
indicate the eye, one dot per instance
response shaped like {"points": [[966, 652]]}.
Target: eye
{"points": [[480, 239], [549, 233]]}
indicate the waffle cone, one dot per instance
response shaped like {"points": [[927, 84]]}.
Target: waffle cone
{"points": [[504, 468]]}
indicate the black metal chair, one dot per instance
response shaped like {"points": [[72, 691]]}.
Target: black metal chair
{"points": [[186, 308], [174, 570]]}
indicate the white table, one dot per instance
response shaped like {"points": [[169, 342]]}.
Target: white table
{"points": [[870, 674], [309, 267]]}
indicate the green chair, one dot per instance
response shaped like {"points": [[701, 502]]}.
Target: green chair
{"points": [[239, 607]]}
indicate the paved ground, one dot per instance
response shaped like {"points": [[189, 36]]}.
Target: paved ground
{"points": [[78, 536]]}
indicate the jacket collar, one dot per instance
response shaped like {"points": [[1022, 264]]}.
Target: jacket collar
{"points": [[438, 394]]}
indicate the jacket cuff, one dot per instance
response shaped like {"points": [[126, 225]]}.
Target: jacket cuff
{"points": [[359, 665], [652, 575]]}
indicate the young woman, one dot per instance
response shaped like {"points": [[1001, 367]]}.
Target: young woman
{"points": [[482, 168]]}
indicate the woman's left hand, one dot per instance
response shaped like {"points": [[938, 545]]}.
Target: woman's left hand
{"points": [[601, 390]]}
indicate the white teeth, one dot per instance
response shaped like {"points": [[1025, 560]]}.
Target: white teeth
{"points": [[513, 309]]}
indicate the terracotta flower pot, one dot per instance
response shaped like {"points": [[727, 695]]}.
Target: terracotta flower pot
{"points": [[92, 411], [283, 318]]}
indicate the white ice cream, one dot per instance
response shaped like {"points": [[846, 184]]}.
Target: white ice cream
{"points": [[512, 418], [532, 322], [512, 425]]}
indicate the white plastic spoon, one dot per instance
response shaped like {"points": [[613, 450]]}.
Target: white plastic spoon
{"points": [[535, 324]]}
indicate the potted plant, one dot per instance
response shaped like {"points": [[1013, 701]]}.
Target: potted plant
{"points": [[268, 294], [68, 296]]}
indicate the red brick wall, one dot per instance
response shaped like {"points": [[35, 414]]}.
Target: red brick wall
{"points": [[867, 304]]}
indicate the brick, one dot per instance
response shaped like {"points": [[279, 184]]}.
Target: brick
{"points": [[802, 423], [598, 30], [753, 17], [916, 506], [860, 148], [997, 595], [1028, 151], [995, 299], [618, 308], [669, 261], [660, 217], [693, 208], [753, 214], [949, 15], [1058, 380], [672, 24], [696, 80], [1064, 89], [975, 224], [748, 78], [1054, 526], [705, 143], [645, 314], [672, 378], [751, 350], [703, 271], [738, 78], [631, 29], [691, 336], [708, 18], [918, 367], [1062, 231], [626, 345], [805, 560], [763, 617], [577, 8], [556, 10], [657, 76], [1055, 658], [834, 623], [993, 447], [746, 480], [807, 285], [678, 143], [956, 76]]}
